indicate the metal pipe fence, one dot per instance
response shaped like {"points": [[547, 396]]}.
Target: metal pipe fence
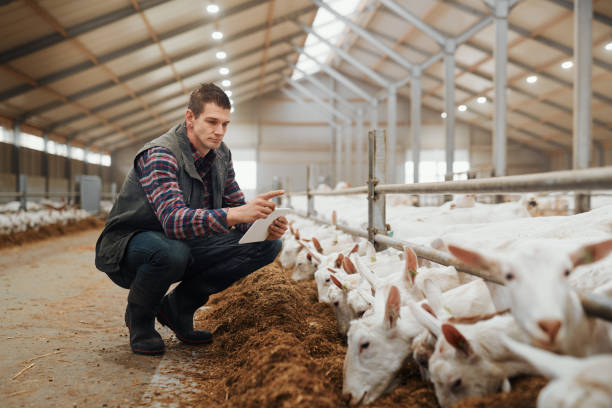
{"points": [[580, 181]]}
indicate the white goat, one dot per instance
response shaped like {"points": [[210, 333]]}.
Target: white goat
{"points": [[577, 382], [544, 305]]}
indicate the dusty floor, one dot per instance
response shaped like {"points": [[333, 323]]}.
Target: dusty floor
{"points": [[63, 343]]}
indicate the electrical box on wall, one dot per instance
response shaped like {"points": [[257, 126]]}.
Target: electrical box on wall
{"points": [[90, 192]]}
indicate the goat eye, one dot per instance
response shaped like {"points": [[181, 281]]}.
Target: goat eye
{"points": [[509, 276], [360, 314], [456, 384], [566, 273], [336, 304], [364, 346], [327, 280]]}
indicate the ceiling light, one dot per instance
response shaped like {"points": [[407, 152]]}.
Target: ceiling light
{"points": [[224, 70], [231, 102], [228, 93], [531, 79], [481, 99], [226, 83], [609, 46], [462, 108], [567, 64], [217, 35], [232, 110], [212, 8], [221, 55], [443, 115]]}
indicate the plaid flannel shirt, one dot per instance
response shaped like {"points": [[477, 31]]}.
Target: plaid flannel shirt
{"points": [[157, 171]]}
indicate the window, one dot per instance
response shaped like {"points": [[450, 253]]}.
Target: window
{"points": [[246, 174], [432, 166], [38, 143]]}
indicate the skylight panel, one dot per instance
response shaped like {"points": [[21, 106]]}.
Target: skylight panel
{"points": [[328, 27]]}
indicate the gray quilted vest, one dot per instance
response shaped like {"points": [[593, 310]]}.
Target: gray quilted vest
{"points": [[132, 212]]}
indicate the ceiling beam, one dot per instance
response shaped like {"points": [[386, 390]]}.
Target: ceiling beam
{"points": [[49, 40], [122, 52]]}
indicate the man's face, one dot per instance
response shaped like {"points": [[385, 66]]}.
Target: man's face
{"points": [[207, 130]]}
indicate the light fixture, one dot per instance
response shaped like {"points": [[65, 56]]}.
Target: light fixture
{"points": [[228, 93], [226, 83], [608, 46], [231, 101], [567, 64], [481, 99], [221, 55], [443, 115], [224, 70], [217, 35], [462, 108], [531, 79], [212, 8], [232, 110]]}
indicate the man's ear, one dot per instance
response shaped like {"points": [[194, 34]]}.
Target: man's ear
{"points": [[189, 118]]}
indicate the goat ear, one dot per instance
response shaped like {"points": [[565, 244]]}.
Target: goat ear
{"points": [[317, 245], [335, 281], [506, 387], [433, 293], [410, 271], [591, 253], [425, 319], [456, 339], [331, 270], [472, 258], [338, 261], [334, 218], [348, 266], [392, 308]]}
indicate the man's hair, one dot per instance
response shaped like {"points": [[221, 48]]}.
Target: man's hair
{"points": [[206, 93]]}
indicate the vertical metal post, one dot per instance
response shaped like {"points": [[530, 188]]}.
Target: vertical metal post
{"points": [[415, 118], [392, 133], [348, 158], [500, 54], [377, 141], [288, 190], [310, 211], [583, 16], [360, 173], [449, 103]]}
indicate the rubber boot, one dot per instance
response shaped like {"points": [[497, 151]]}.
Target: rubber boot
{"points": [[176, 312], [144, 339]]}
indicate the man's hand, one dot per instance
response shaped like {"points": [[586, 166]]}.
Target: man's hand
{"points": [[277, 228], [259, 207]]}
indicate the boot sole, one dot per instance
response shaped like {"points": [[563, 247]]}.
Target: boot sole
{"points": [[148, 352], [163, 320]]}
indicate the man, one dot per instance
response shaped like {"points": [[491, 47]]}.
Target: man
{"points": [[178, 217]]}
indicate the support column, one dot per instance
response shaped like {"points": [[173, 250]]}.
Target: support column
{"points": [[500, 76], [583, 15], [361, 176], [16, 149], [339, 175], [392, 134], [449, 103], [374, 115], [415, 119], [68, 169], [348, 157]]}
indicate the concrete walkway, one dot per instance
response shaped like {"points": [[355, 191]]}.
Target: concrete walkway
{"points": [[63, 341]]}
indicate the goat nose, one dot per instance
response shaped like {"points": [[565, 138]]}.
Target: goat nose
{"points": [[347, 397], [550, 327]]}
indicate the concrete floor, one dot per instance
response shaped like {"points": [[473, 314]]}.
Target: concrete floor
{"points": [[63, 341]]}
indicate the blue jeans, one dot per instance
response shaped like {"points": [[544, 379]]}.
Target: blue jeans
{"points": [[204, 266]]}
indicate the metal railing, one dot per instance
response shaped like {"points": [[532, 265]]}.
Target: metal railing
{"points": [[567, 180]]}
